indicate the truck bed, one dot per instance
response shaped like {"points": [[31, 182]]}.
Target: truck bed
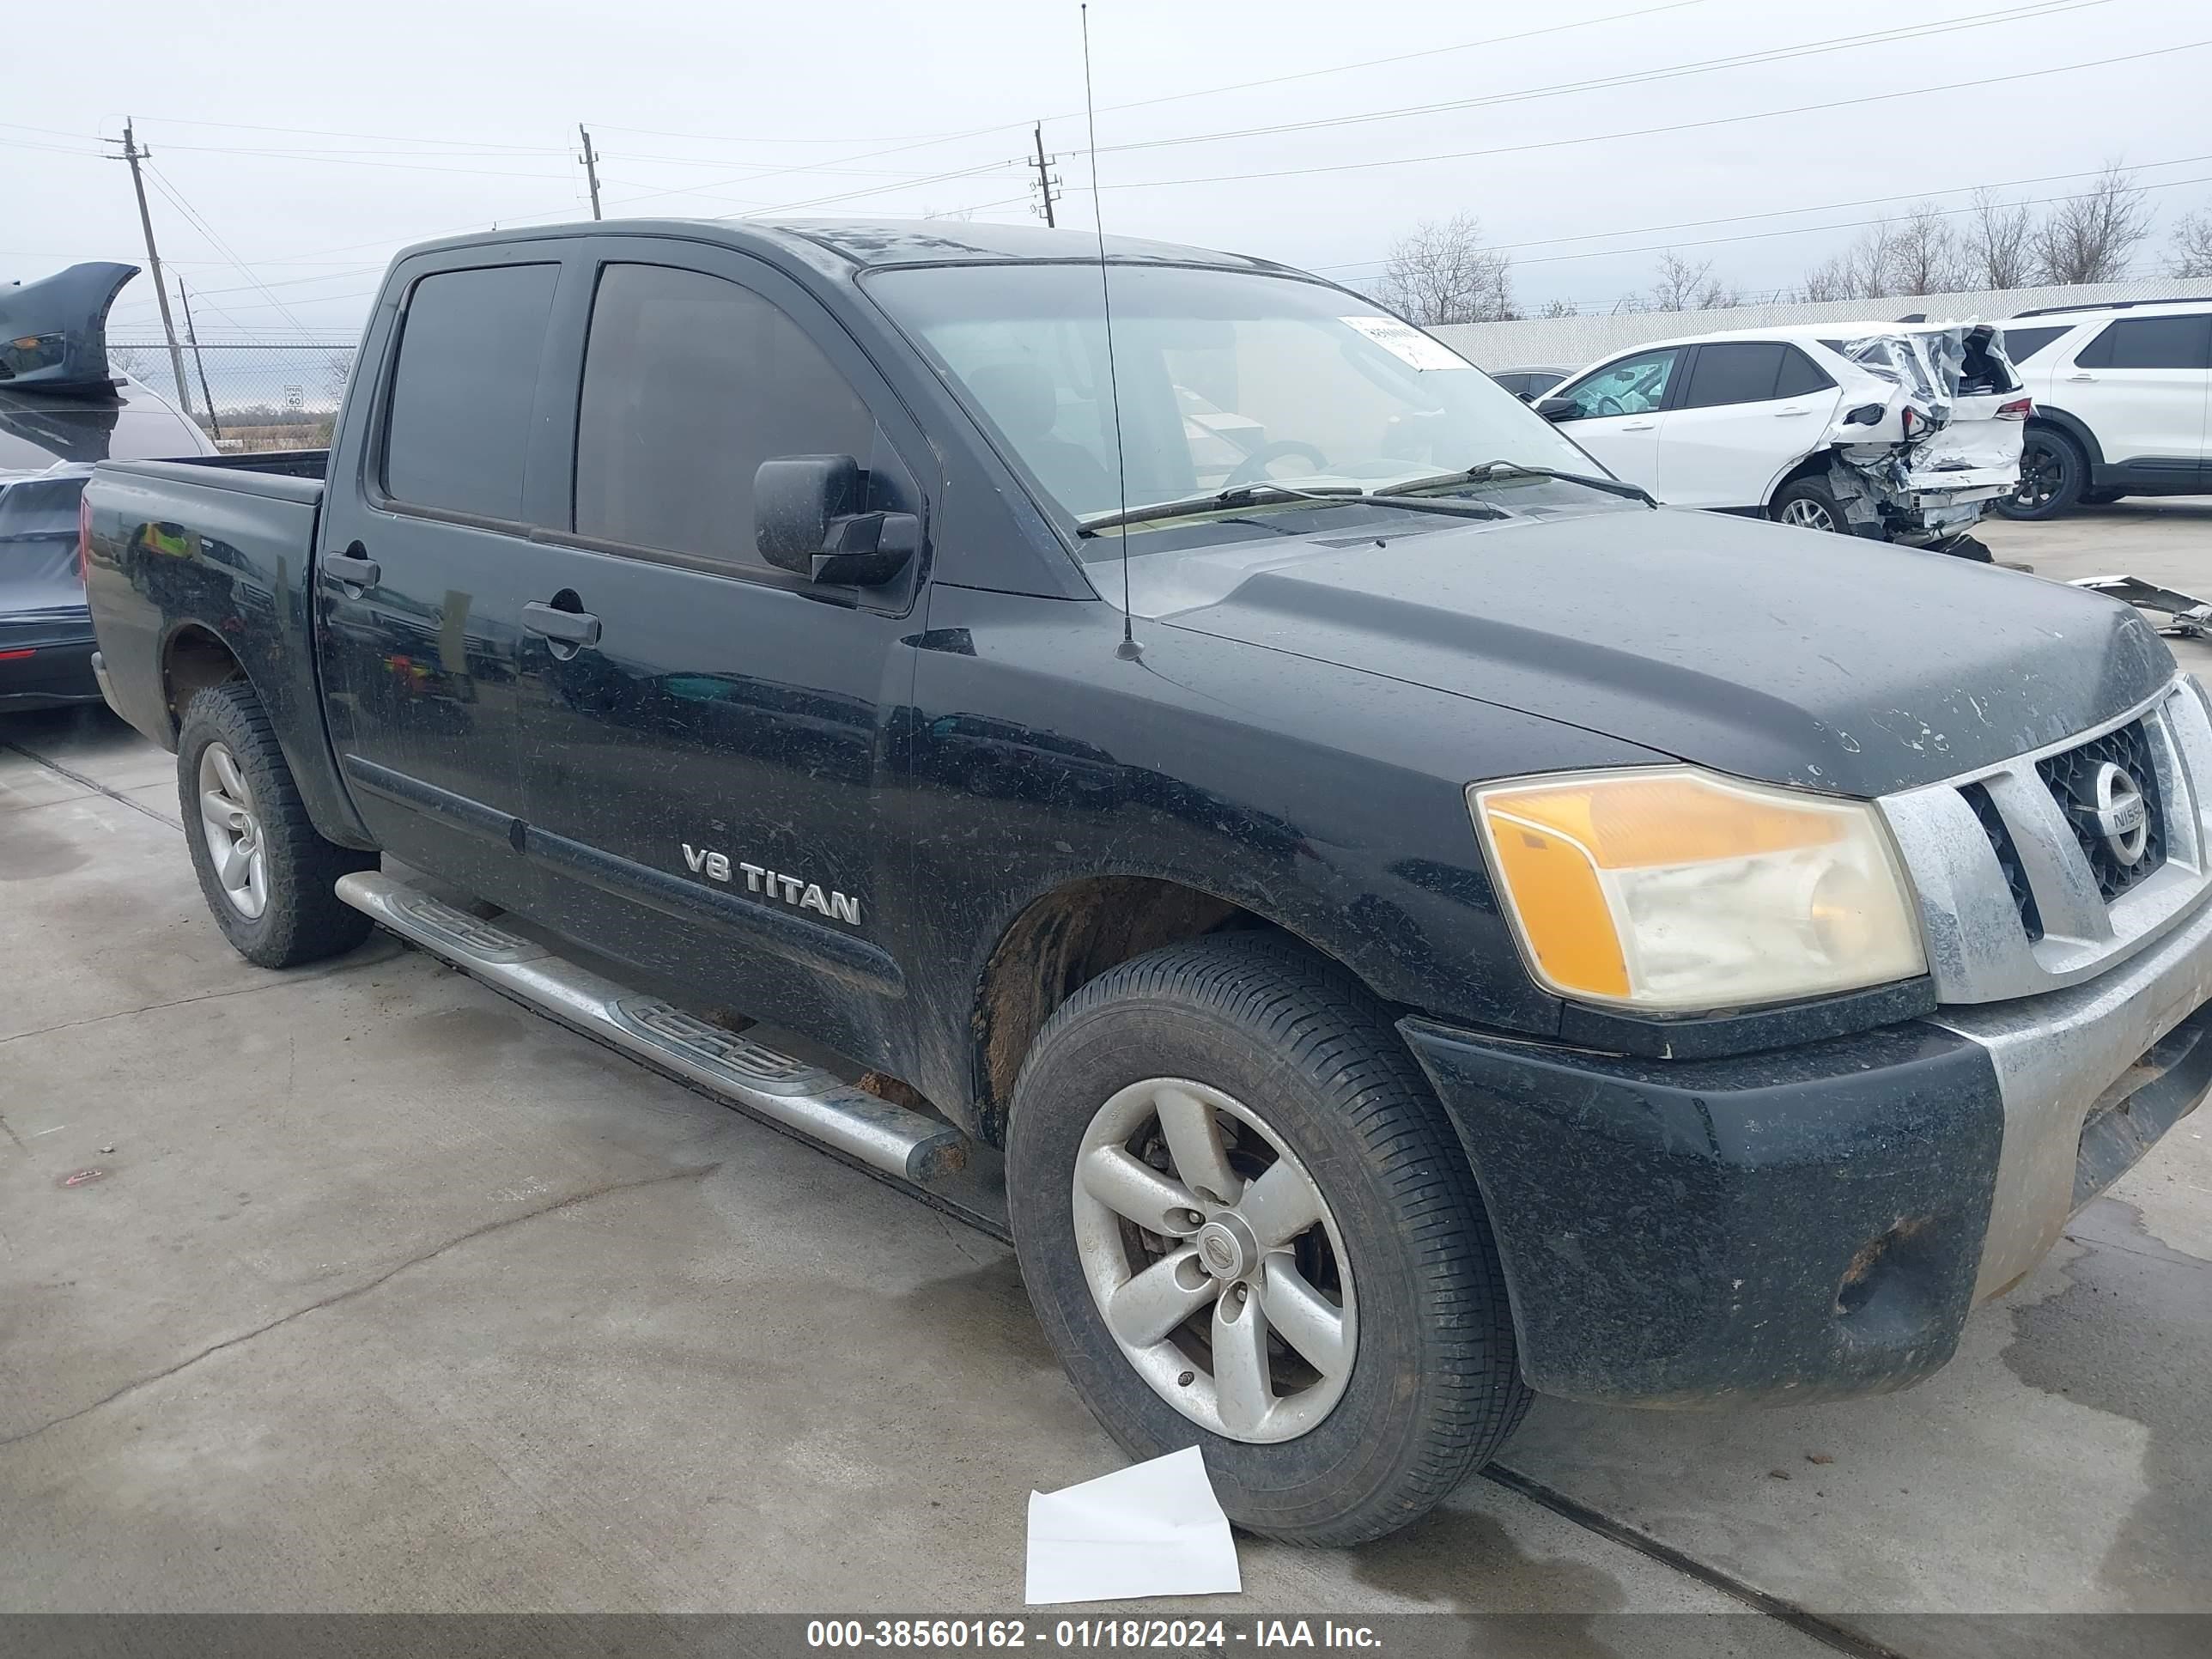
{"points": [[218, 549]]}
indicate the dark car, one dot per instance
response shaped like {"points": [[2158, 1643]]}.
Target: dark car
{"points": [[1530, 384], [62, 408]]}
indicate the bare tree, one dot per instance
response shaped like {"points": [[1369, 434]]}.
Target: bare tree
{"points": [[1442, 273], [1923, 254], [1685, 287], [2189, 253], [1996, 248], [1864, 270], [2089, 237], [1558, 308]]}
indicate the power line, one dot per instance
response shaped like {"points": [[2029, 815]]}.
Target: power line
{"points": [[162, 183], [1670, 72], [1205, 92], [1948, 89]]}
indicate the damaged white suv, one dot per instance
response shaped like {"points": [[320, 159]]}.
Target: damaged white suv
{"points": [[1898, 432]]}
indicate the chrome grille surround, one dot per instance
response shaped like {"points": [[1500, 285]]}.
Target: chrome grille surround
{"points": [[1980, 948]]}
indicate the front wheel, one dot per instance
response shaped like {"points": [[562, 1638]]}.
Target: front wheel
{"points": [[1246, 1225]]}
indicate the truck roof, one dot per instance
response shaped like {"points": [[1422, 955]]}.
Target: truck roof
{"points": [[852, 245]]}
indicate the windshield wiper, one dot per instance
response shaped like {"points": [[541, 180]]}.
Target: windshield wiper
{"points": [[1252, 494], [1484, 471]]}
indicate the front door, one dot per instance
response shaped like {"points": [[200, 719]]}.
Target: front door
{"points": [[1617, 411], [706, 737], [422, 566]]}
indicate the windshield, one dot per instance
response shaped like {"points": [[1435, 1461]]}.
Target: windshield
{"points": [[1226, 378]]}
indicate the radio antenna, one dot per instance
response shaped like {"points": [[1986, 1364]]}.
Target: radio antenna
{"points": [[1128, 649]]}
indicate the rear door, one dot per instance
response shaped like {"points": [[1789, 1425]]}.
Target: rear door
{"points": [[705, 752], [425, 562], [1616, 413], [2139, 383], [1746, 411]]}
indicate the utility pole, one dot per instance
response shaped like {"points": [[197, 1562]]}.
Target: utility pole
{"points": [[192, 339], [1046, 182], [133, 154], [591, 169]]}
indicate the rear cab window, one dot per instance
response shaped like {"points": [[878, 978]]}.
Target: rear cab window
{"points": [[456, 425]]}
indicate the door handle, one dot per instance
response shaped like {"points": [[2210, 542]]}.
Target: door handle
{"points": [[573, 628], [354, 567], [2081, 377], [1639, 426], [1790, 414]]}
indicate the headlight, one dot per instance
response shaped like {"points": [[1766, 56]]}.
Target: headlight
{"points": [[1665, 888]]}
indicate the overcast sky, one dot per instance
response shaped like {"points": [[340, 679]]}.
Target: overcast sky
{"points": [[297, 146]]}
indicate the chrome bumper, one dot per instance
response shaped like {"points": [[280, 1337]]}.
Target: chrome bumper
{"points": [[2055, 1055]]}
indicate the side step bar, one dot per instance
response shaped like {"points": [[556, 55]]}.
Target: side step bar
{"points": [[799, 1097]]}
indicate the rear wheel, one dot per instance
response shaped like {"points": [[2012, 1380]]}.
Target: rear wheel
{"points": [[1247, 1225], [2053, 474], [267, 873], [1809, 504]]}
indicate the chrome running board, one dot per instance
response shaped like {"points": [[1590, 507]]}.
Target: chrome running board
{"points": [[802, 1098]]}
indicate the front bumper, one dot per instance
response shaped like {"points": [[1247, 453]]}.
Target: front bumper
{"points": [[46, 675], [1817, 1221]]}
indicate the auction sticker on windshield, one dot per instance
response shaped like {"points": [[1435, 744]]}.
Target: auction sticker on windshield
{"points": [[1407, 342]]}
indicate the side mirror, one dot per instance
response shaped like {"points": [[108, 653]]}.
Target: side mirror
{"points": [[1558, 409], [806, 521]]}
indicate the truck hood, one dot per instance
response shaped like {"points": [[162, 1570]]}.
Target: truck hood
{"points": [[1827, 663]]}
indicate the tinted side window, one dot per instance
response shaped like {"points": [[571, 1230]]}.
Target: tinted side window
{"points": [[2021, 343], [690, 382], [2149, 343], [1734, 372], [461, 389], [1516, 384], [1800, 374], [39, 509]]}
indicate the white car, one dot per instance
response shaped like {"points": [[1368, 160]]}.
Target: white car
{"points": [[1901, 432], [2122, 403]]}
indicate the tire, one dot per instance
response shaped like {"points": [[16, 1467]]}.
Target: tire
{"points": [[1431, 1384], [299, 919], [1809, 504], [2053, 473]]}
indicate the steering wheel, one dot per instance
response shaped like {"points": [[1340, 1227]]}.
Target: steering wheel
{"points": [[1252, 469], [1616, 406]]}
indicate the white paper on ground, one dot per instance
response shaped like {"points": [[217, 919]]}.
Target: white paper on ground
{"points": [[1153, 1529]]}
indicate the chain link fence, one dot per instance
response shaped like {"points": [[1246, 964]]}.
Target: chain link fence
{"points": [[248, 397]]}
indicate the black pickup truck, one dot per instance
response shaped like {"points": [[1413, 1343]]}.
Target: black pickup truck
{"points": [[1420, 923]]}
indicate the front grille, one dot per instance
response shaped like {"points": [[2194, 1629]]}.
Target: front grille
{"points": [[2000, 842], [2069, 777]]}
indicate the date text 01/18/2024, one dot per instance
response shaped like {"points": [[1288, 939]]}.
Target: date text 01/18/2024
{"points": [[1085, 1634]]}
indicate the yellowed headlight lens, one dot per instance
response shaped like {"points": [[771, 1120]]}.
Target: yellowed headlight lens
{"points": [[1674, 889]]}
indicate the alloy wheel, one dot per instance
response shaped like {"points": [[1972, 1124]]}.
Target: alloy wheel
{"points": [[233, 832], [1214, 1261], [1808, 514]]}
